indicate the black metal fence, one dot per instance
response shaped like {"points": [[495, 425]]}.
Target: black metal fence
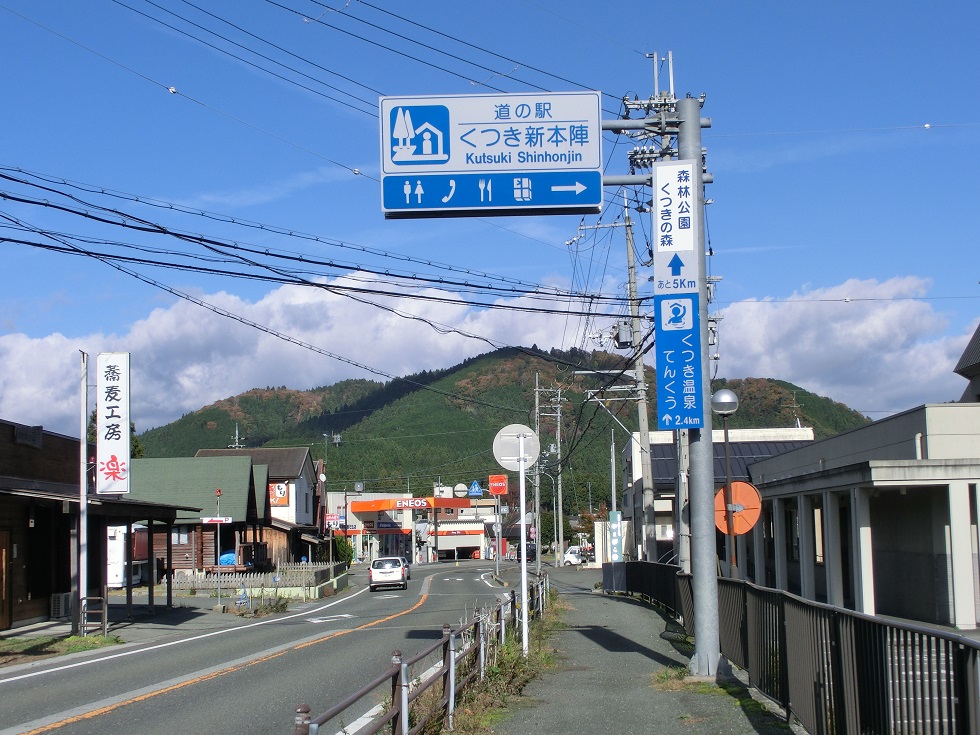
{"points": [[416, 690], [835, 670]]}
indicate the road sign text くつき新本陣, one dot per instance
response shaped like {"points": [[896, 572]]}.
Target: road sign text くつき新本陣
{"points": [[491, 154]]}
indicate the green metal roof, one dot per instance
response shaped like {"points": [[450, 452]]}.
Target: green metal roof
{"points": [[192, 481]]}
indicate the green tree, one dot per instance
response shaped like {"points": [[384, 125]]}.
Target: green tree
{"points": [[136, 449]]}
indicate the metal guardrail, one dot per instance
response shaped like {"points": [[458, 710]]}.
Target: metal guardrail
{"points": [[834, 670], [417, 690]]}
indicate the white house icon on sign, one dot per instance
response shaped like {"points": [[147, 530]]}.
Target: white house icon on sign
{"points": [[422, 144]]}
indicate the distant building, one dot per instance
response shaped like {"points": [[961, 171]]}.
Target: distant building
{"points": [[746, 446], [295, 528]]}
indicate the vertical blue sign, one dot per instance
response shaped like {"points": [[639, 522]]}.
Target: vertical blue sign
{"points": [[676, 214], [615, 536], [678, 349]]}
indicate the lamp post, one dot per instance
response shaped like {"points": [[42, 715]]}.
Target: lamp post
{"points": [[724, 403]]}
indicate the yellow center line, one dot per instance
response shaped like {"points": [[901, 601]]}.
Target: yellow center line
{"points": [[216, 674]]}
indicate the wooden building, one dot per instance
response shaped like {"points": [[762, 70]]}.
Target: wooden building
{"points": [[39, 518]]}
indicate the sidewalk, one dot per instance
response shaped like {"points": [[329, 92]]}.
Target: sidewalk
{"points": [[606, 679]]}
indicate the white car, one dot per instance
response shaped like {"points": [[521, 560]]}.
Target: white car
{"points": [[388, 571], [573, 555]]}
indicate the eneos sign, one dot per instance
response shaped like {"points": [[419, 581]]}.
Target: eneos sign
{"points": [[498, 484]]}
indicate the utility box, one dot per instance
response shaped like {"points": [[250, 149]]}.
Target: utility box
{"points": [[624, 335], [61, 605]]}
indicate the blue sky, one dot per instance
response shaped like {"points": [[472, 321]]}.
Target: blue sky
{"points": [[844, 144]]}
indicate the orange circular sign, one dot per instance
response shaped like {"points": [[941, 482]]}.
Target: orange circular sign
{"points": [[746, 508]]}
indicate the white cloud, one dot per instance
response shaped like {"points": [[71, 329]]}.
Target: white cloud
{"points": [[868, 344], [887, 354], [267, 192]]}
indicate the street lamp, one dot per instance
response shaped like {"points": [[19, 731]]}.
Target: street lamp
{"points": [[724, 403]]}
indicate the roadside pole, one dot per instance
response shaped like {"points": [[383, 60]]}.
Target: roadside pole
{"points": [[515, 447], [82, 535], [707, 645], [522, 462], [217, 500]]}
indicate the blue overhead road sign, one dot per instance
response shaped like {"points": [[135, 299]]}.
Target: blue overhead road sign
{"points": [[433, 195], [491, 154]]}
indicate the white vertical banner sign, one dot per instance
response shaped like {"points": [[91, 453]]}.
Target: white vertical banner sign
{"points": [[112, 423]]}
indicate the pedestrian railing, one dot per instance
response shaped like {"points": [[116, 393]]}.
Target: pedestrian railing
{"points": [[416, 690], [834, 670]]}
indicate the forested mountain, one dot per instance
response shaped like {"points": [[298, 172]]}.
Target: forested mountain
{"points": [[440, 425]]}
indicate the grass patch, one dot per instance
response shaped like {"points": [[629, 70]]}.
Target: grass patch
{"points": [[27, 650], [671, 678], [764, 720], [482, 706]]}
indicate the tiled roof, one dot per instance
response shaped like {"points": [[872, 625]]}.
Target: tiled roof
{"points": [[741, 456], [285, 463], [192, 481]]}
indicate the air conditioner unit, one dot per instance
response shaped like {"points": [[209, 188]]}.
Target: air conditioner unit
{"points": [[61, 605]]}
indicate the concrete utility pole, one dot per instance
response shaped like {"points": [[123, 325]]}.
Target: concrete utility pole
{"points": [[537, 482], [666, 117], [559, 525], [707, 643], [560, 520], [643, 415]]}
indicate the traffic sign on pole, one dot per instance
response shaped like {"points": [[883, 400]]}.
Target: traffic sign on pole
{"points": [[676, 288], [536, 153], [498, 484], [217, 519]]}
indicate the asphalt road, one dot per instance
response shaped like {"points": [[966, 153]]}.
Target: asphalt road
{"points": [[220, 673]]}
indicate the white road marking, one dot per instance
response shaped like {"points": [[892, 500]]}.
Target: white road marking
{"points": [[329, 618], [135, 651]]}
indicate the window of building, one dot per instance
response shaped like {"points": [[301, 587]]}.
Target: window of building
{"points": [[818, 534], [793, 533]]}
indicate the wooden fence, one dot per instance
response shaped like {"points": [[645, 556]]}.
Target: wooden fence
{"points": [[287, 575]]}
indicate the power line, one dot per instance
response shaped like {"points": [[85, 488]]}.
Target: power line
{"points": [[130, 221], [280, 335], [370, 111], [509, 60]]}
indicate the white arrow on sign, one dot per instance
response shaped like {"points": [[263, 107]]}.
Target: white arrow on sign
{"points": [[577, 187]]}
